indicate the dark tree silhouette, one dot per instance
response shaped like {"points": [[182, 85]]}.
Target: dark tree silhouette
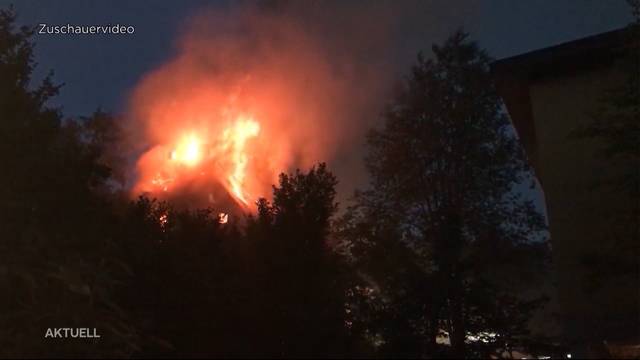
{"points": [[303, 286], [58, 259], [202, 289], [441, 231], [182, 288]]}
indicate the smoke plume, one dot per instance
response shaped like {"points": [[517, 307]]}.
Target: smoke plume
{"points": [[254, 91]]}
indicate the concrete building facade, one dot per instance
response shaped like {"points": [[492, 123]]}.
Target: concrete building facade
{"points": [[549, 94]]}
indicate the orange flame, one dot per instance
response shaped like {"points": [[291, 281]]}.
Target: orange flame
{"points": [[223, 218], [188, 151], [191, 155], [236, 137]]}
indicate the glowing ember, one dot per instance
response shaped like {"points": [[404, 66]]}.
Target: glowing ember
{"points": [[163, 219], [223, 218]]}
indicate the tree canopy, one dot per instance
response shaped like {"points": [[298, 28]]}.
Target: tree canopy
{"points": [[443, 168]]}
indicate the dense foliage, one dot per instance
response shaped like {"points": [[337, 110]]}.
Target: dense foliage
{"points": [[440, 232]]}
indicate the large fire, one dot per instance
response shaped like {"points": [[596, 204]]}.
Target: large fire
{"points": [[247, 96], [199, 153]]}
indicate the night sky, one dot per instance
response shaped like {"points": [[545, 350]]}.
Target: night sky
{"points": [[101, 70]]}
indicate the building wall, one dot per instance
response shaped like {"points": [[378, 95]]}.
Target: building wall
{"points": [[579, 211]]}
